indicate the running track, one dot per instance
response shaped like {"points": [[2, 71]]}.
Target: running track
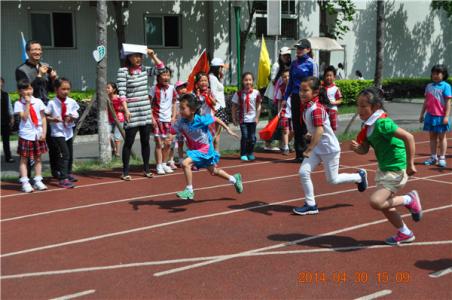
{"points": [[109, 239]]}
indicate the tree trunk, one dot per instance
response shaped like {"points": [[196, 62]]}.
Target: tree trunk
{"points": [[101, 82], [119, 7], [380, 44], [244, 34]]}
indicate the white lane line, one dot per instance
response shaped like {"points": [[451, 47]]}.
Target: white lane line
{"points": [[376, 295], [157, 195], [162, 194], [138, 229], [433, 180], [182, 260], [194, 259], [440, 273], [76, 295], [242, 165], [231, 256]]}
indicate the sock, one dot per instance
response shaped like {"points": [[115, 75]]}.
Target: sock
{"points": [[442, 157], [407, 199], [159, 166], [37, 178], [434, 156], [405, 230], [232, 179], [286, 147], [189, 188], [24, 180], [310, 202]]}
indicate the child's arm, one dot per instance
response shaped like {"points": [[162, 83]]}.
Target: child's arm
{"points": [[424, 107], [126, 110], [234, 114], [315, 139], [226, 127], [360, 148], [26, 113], [408, 139], [154, 58], [44, 125], [446, 116], [258, 110], [337, 102]]}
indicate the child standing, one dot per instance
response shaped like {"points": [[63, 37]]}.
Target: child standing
{"points": [[181, 88], [285, 112], [61, 112], [247, 106], [201, 152], [394, 149], [119, 106], [32, 135], [163, 99], [323, 147], [437, 111], [333, 93]]}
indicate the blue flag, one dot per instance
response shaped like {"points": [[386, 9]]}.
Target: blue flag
{"points": [[23, 46]]}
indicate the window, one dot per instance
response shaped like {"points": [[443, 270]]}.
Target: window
{"points": [[162, 31], [53, 29], [289, 23]]}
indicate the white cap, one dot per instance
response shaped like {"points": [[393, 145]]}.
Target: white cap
{"points": [[217, 62], [284, 50]]}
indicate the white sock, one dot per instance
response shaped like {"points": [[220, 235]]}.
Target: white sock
{"points": [[286, 147], [442, 157], [310, 202], [405, 230], [232, 179], [407, 199], [189, 188], [37, 178], [434, 156], [24, 180]]}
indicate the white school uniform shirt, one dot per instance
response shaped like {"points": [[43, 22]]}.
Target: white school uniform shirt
{"points": [[328, 142], [27, 130], [247, 116], [217, 90], [163, 110], [333, 94], [53, 109], [288, 108]]}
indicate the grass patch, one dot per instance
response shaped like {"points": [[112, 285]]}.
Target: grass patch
{"points": [[13, 137], [86, 166], [346, 109]]}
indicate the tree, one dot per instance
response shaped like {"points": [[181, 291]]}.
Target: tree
{"points": [[380, 43], [121, 9], [101, 82], [444, 5], [251, 10]]}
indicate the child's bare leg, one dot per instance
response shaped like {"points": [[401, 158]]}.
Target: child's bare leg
{"points": [[383, 199], [393, 217], [166, 149], [285, 138], [158, 150], [219, 172], [433, 142], [117, 147], [442, 144], [187, 165], [180, 150], [38, 167], [23, 167], [216, 141]]}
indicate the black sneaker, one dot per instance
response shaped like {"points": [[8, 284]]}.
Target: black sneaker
{"points": [[306, 210], [362, 186]]}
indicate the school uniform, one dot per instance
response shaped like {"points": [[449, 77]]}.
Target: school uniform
{"points": [[162, 100]]}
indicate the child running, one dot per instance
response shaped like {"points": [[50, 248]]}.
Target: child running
{"points": [[247, 106], [323, 147], [394, 149], [32, 135], [178, 142], [163, 99], [119, 106], [61, 113], [201, 152], [333, 93], [285, 113], [436, 108]]}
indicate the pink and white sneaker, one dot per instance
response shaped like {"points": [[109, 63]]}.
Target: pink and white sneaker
{"points": [[400, 238], [415, 206], [172, 165]]}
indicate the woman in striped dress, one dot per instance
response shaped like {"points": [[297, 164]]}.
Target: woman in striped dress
{"points": [[133, 83]]}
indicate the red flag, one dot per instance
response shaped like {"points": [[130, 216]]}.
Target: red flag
{"points": [[267, 132], [202, 65]]}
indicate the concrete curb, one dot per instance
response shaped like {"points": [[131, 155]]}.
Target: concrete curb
{"points": [[408, 100]]}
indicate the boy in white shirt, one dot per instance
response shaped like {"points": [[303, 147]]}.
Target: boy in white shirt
{"points": [[32, 135]]}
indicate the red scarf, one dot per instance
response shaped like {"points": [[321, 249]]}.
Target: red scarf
{"points": [[156, 104], [362, 135], [33, 115], [208, 98], [247, 99], [135, 70], [63, 108]]}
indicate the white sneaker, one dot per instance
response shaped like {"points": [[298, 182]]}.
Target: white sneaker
{"points": [[160, 170], [167, 169], [40, 186], [27, 188]]}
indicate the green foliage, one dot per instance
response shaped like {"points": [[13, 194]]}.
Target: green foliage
{"points": [[444, 5], [351, 88], [76, 95], [344, 10], [230, 89]]}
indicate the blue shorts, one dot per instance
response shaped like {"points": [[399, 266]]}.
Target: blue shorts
{"points": [[435, 124], [203, 160]]}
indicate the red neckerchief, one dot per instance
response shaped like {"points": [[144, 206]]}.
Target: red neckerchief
{"points": [[33, 115], [207, 96], [158, 88], [63, 107], [362, 135], [135, 70], [247, 99], [303, 107]]}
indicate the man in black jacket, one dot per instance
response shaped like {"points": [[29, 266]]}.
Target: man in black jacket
{"points": [[7, 122], [41, 76]]}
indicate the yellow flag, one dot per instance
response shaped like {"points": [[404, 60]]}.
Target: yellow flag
{"points": [[263, 72]]}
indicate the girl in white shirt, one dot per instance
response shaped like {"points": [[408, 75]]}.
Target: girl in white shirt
{"points": [[216, 86]]}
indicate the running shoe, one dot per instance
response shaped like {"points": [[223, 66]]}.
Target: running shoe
{"points": [[430, 162], [27, 188], [442, 163], [400, 238], [251, 157], [40, 186], [167, 169], [238, 183], [362, 186], [186, 195], [306, 210], [244, 158], [415, 206], [66, 184]]}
